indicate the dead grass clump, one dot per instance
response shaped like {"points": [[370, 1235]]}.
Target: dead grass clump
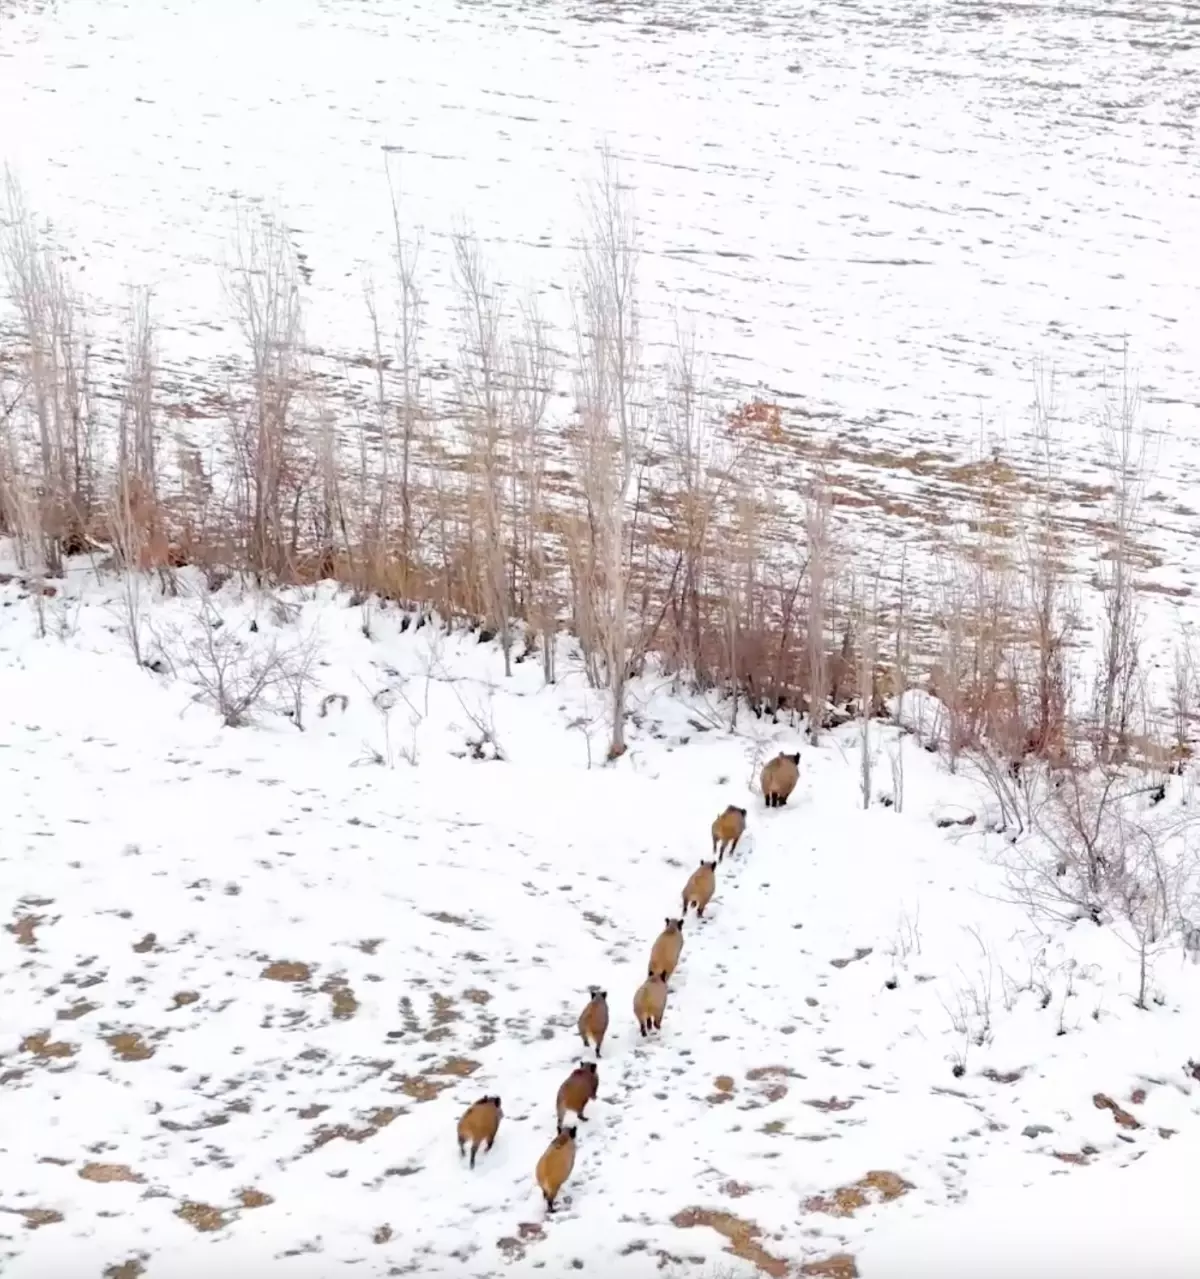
{"points": [[743, 1237], [251, 1198], [286, 970], [874, 1188]]}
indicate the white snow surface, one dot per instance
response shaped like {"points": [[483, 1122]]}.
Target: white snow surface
{"points": [[466, 905], [883, 211]]}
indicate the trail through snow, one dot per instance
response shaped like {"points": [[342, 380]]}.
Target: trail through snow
{"points": [[169, 1101]]}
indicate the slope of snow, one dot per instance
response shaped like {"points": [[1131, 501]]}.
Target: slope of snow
{"points": [[450, 914], [885, 211], [1109, 1223]]}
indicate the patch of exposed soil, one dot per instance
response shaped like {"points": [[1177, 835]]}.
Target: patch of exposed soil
{"points": [[251, 1198], [1103, 1102], [286, 970], [184, 997], [35, 1218], [43, 1047], [131, 1269], [202, 1217], [76, 1011], [24, 929], [742, 1235], [860, 952], [874, 1188], [129, 1046], [109, 1172], [1002, 1076], [342, 998], [840, 1266], [380, 1119], [444, 917], [834, 1103], [147, 944]]}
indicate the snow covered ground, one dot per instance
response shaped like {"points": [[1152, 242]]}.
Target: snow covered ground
{"points": [[880, 210], [252, 977]]}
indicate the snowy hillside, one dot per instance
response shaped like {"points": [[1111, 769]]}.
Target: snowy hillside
{"points": [[881, 212], [253, 976]]}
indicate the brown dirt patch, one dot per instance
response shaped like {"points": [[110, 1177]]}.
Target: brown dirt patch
{"points": [[840, 1266], [444, 917], [860, 952], [1070, 1156], [76, 1011], [735, 1189], [130, 1269], [35, 1218], [874, 1188], [251, 1198], [834, 1103], [743, 1237], [147, 944], [108, 1173], [286, 970], [202, 1217], [1002, 1076], [380, 1119], [1103, 1102], [477, 997], [370, 945], [342, 998], [42, 1046], [129, 1046], [182, 998], [24, 929], [383, 1234]]}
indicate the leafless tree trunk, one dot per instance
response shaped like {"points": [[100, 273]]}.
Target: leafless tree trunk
{"points": [[57, 391], [818, 534], [484, 399], [611, 437], [264, 291], [1126, 456], [531, 382], [409, 327]]}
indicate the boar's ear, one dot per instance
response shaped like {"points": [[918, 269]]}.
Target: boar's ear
{"points": [[668, 921]]}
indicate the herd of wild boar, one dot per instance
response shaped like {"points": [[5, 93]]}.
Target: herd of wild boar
{"points": [[479, 1125]]}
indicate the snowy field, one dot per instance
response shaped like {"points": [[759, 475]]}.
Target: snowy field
{"points": [[252, 978], [881, 212]]}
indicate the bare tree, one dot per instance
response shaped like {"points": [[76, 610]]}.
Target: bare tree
{"points": [[55, 353], [264, 290], [612, 433], [867, 636], [818, 534], [531, 381], [237, 676], [409, 328], [483, 400], [1126, 456]]}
